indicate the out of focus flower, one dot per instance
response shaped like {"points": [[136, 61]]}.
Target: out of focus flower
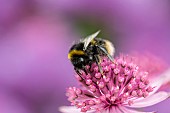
{"points": [[32, 60], [11, 104], [122, 86]]}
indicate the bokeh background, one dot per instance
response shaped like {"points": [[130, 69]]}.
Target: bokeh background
{"points": [[35, 36]]}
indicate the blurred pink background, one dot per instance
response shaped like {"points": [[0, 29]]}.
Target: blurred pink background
{"points": [[35, 36]]}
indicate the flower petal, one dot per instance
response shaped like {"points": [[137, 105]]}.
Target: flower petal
{"points": [[111, 110], [126, 110], [118, 110], [151, 100], [157, 82], [160, 80], [69, 109]]}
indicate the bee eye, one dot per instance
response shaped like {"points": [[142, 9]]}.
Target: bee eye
{"points": [[81, 59], [90, 57]]}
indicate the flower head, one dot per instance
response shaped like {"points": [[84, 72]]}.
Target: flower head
{"points": [[122, 84]]}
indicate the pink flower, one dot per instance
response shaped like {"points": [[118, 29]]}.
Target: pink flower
{"points": [[123, 85]]}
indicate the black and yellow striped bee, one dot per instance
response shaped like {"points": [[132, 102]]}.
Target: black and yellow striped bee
{"points": [[88, 51]]}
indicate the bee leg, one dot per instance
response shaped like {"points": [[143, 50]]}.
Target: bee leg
{"points": [[107, 54], [78, 72], [90, 68], [98, 61], [84, 69]]}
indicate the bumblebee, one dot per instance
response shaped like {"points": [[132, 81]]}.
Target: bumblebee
{"points": [[88, 51]]}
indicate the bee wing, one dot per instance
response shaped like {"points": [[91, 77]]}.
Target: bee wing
{"points": [[88, 39]]}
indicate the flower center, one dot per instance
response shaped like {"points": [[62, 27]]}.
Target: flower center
{"points": [[120, 84]]}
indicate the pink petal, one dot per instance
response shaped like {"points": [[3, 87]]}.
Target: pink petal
{"points": [[118, 110], [151, 100], [69, 109], [111, 110], [166, 76], [126, 110], [160, 80]]}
